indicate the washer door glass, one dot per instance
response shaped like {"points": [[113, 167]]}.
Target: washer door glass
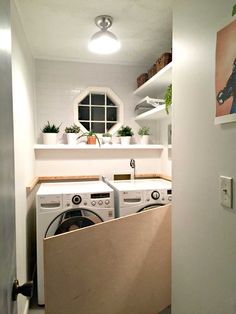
{"points": [[149, 207], [71, 220]]}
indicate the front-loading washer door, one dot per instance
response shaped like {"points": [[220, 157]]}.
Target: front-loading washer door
{"points": [[149, 207], [71, 220]]}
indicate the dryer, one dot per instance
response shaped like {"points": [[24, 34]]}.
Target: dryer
{"points": [[133, 196], [63, 207]]}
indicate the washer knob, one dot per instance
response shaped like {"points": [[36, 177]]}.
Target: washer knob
{"points": [[155, 195], [107, 202], [169, 198], [76, 199], [93, 203], [100, 202]]}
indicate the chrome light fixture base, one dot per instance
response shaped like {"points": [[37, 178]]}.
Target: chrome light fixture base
{"points": [[104, 42]]}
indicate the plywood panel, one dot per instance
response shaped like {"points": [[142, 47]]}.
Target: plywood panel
{"points": [[117, 267]]}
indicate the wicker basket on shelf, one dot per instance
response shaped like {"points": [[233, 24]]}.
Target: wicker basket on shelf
{"points": [[163, 61], [142, 79], [152, 71]]}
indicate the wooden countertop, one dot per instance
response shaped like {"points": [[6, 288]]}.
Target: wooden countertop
{"points": [[38, 180]]}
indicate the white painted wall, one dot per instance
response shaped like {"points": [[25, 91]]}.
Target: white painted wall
{"points": [[204, 233], [23, 111], [58, 83]]}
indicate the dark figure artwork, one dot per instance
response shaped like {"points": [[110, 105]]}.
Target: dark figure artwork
{"points": [[225, 74], [229, 90]]}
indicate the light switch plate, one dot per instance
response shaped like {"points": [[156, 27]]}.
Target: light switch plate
{"points": [[226, 191]]}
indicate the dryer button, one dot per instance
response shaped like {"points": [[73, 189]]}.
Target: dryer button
{"points": [[93, 203], [100, 202], [169, 198], [68, 204], [85, 203], [107, 202]]}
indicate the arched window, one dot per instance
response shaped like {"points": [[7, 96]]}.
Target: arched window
{"points": [[98, 109]]}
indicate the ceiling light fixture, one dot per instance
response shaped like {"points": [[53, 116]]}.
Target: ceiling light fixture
{"points": [[104, 41]]}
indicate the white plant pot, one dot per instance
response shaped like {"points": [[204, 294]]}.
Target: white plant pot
{"points": [[72, 138], [50, 138], [125, 140], [106, 139], [144, 139]]}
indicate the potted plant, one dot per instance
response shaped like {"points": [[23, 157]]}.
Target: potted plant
{"points": [[106, 138], [144, 132], [125, 133], [168, 98], [72, 133], [50, 132], [92, 137]]}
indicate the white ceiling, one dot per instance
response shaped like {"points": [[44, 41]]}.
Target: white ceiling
{"points": [[60, 29]]}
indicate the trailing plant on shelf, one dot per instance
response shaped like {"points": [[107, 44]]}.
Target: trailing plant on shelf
{"points": [[168, 98], [51, 128], [144, 131], [91, 137], [72, 129]]}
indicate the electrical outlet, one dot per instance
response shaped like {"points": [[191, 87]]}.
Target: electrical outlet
{"points": [[226, 191]]}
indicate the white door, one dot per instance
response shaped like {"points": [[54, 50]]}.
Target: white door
{"points": [[118, 267], [7, 206]]}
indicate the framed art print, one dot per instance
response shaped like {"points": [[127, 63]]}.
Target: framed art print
{"points": [[225, 76]]}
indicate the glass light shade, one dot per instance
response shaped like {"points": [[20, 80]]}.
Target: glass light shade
{"points": [[104, 42]]}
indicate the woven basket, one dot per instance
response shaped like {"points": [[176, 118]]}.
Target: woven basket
{"points": [[152, 71], [163, 61], [142, 79]]}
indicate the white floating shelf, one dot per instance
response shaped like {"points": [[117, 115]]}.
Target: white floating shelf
{"points": [[154, 114], [96, 147], [156, 85]]}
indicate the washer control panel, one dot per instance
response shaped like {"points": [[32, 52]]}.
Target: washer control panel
{"points": [[89, 200]]}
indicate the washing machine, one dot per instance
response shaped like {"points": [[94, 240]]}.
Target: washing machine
{"points": [[63, 207], [133, 196]]}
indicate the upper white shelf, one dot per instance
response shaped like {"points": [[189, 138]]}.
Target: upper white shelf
{"points": [[154, 114], [156, 86], [92, 147]]}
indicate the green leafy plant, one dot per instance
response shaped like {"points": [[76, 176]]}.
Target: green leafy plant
{"points": [[51, 128], [168, 98], [234, 10], [72, 129], [144, 131], [90, 133], [106, 134], [125, 131]]}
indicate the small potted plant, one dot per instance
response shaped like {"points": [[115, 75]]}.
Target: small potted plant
{"points": [[106, 138], [144, 133], [125, 133], [92, 137], [50, 132], [72, 134]]}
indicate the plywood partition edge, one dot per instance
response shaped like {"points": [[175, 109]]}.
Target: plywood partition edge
{"points": [[129, 257]]}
